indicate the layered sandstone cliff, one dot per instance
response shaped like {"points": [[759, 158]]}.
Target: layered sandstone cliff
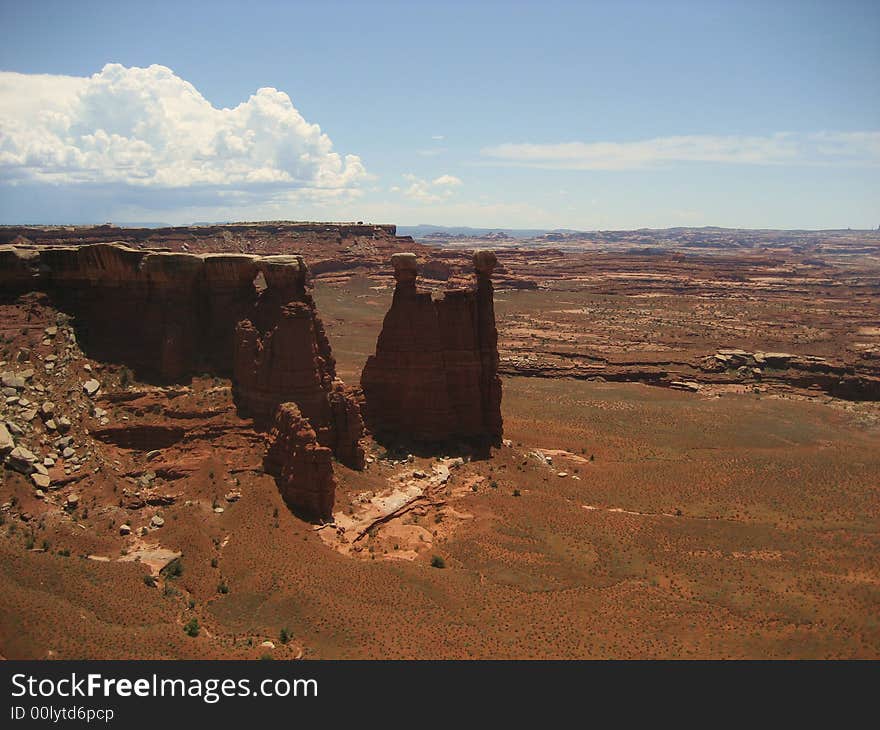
{"points": [[303, 469], [171, 315], [434, 376]]}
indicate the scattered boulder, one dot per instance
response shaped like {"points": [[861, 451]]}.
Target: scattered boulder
{"points": [[41, 480], [156, 521], [7, 443], [12, 380], [90, 387], [21, 460]]}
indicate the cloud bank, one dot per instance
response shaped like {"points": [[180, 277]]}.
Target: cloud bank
{"points": [[820, 148], [148, 129]]}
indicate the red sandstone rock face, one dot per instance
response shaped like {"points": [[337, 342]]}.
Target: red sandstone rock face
{"points": [[434, 376], [282, 354], [302, 468], [170, 315], [348, 426]]}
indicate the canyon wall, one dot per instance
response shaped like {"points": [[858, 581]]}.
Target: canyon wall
{"points": [[434, 377], [170, 315]]}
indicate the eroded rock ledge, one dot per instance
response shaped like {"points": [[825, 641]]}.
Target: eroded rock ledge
{"points": [[171, 315], [434, 377]]}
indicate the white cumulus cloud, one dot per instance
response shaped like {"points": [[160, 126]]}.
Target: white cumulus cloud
{"points": [[784, 148], [446, 180], [429, 191], [147, 128]]}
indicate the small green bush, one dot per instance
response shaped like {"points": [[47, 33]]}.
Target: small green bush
{"points": [[174, 569], [438, 562], [191, 627]]}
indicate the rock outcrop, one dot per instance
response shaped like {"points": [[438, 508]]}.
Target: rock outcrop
{"points": [[303, 469], [434, 377], [282, 354], [171, 315]]}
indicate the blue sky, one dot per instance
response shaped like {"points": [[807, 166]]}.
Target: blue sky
{"points": [[552, 114]]}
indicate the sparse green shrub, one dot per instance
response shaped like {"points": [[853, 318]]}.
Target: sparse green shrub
{"points": [[150, 581], [284, 636], [174, 569], [191, 627], [438, 562], [223, 588], [516, 493]]}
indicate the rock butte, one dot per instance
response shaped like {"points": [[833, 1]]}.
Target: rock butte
{"points": [[170, 315], [434, 376]]}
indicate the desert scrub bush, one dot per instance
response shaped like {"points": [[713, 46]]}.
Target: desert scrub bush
{"points": [[438, 562], [150, 581], [284, 636], [191, 627], [174, 569], [517, 493], [222, 588]]}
